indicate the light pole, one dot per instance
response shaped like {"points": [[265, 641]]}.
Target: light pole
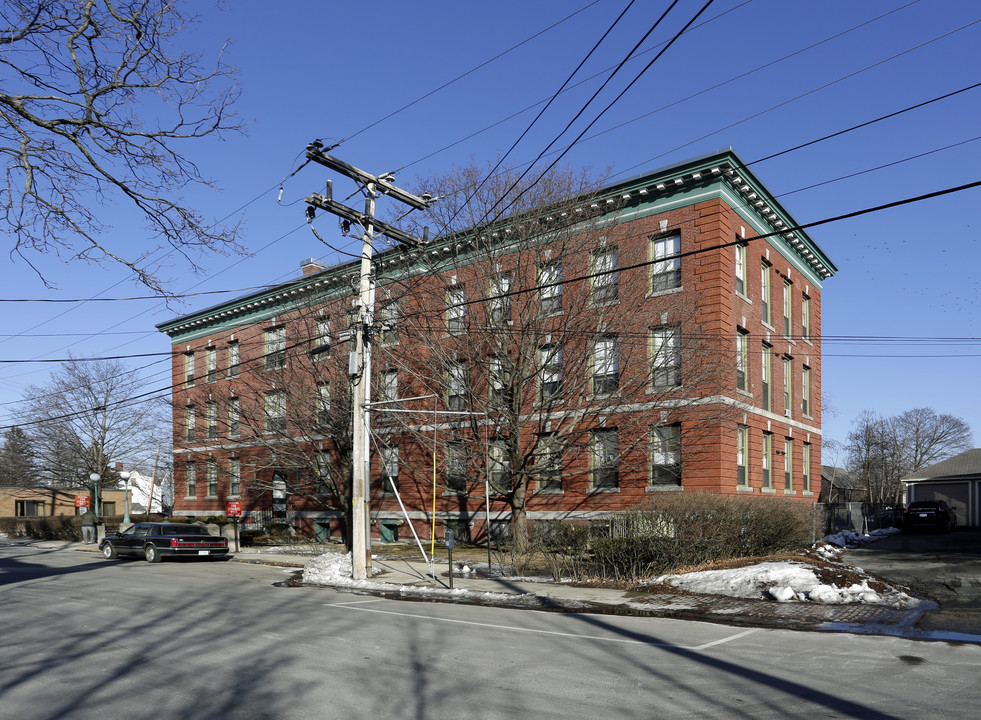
{"points": [[125, 476], [95, 478]]}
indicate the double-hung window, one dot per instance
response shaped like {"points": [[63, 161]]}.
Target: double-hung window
{"points": [[767, 459], [191, 479], [742, 360], [806, 391], [499, 379], [742, 455], [666, 455], [805, 317], [806, 465], [606, 366], [456, 310], [605, 470], [389, 386], [275, 411], [767, 364], [665, 356], [391, 315], [788, 464], [550, 369], [274, 344], [456, 387], [550, 282], [211, 419], [211, 364], [765, 292], [788, 386], [189, 423], [234, 417], [548, 464], [211, 467], [233, 358], [788, 306], [666, 268], [606, 279], [323, 403], [741, 269], [321, 341], [234, 477], [188, 369], [456, 467], [499, 303], [389, 468], [500, 466]]}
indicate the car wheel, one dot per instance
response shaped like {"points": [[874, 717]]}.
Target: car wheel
{"points": [[152, 554], [109, 552]]}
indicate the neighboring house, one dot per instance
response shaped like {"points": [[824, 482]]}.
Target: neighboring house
{"points": [[673, 352], [140, 494], [838, 486], [42, 501], [956, 480]]}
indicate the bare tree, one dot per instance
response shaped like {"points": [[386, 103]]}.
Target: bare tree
{"points": [[882, 451], [290, 418], [524, 329], [87, 417], [76, 74]]}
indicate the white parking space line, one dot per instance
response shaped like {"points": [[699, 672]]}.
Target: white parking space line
{"points": [[491, 626], [722, 641]]}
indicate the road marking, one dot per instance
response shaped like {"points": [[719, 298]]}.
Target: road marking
{"points": [[725, 640], [355, 602], [623, 641]]}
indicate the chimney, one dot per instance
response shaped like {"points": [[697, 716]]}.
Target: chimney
{"points": [[311, 266]]}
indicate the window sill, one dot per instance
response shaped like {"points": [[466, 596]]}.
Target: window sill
{"points": [[745, 489], [210, 497], [664, 488], [807, 493], [600, 491], [807, 340], [552, 491], [789, 492], [745, 298], [744, 392], [768, 491], [668, 291], [768, 326], [605, 303], [190, 497], [664, 388]]}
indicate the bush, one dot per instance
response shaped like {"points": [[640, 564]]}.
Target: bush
{"points": [[676, 530]]}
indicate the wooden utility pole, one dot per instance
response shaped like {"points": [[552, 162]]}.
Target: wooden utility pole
{"points": [[360, 363]]}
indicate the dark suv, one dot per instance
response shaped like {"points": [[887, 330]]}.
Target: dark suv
{"points": [[934, 514]]}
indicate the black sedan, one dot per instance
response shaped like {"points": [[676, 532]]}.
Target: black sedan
{"points": [[932, 514], [154, 541]]}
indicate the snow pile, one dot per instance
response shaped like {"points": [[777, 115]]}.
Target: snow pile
{"points": [[783, 582], [334, 569], [850, 538]]}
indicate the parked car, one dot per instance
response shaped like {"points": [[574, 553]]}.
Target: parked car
{"points": [[935, 514], [155, 541]]}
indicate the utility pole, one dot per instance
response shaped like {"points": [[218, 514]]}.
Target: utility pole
{"points": [[372, 187]]}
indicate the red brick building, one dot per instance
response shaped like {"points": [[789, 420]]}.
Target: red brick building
{"points": [[662, 334]]}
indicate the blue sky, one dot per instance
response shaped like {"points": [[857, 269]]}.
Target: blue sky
{"points": [[761, 76]]}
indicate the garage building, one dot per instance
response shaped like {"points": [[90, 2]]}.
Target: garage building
{"points": [[956, 481]]}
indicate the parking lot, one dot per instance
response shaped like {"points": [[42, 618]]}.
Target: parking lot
{"points": [[943, 567]]}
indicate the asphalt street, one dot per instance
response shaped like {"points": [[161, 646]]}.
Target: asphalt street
{"points": [[942, 567], [85, 637]]}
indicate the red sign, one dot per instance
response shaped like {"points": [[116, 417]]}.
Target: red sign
{"points": [[233, 508], [82, 501]]}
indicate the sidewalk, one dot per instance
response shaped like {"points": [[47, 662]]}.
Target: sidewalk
{"points": [[415, 580]]}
